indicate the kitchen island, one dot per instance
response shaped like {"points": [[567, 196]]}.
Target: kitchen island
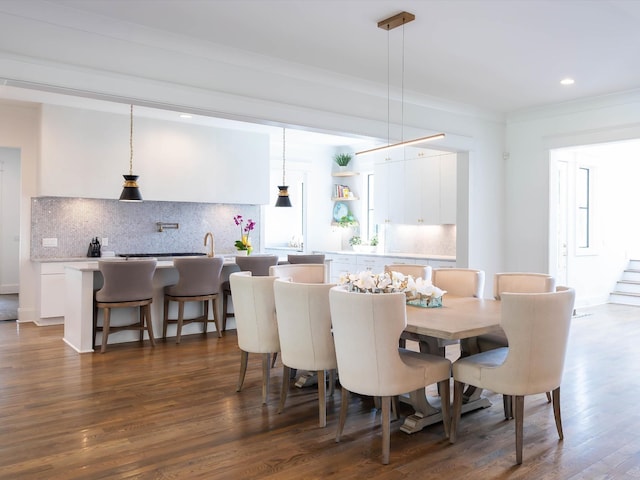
{"points": [[83, 278]]}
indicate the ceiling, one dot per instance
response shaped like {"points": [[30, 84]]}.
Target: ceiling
{"points": [[501, 55]]}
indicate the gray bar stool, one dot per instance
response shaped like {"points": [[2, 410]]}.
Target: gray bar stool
{"points": [[127, 283], [199, 281], [258, 265], [306, 258]]}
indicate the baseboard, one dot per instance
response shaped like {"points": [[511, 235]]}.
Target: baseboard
{"points": [[8, 289]]}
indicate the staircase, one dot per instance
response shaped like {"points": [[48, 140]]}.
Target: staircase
{"points": [[627, 290]]}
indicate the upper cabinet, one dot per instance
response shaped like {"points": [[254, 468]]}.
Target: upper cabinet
{"points": [[175, 161], [389, 195], [416, 191]]}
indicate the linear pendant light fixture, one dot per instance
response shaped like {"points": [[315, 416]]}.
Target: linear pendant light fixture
{"points": [[283, 190], [131, 191], [390, 23]]}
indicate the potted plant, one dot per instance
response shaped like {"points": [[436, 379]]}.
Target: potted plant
{"points": [[342, 159]]}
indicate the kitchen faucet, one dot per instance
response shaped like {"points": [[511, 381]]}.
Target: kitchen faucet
{"points": [[206, 237]]}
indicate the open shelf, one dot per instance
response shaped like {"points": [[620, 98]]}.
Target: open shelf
{"points": [[348, 173]]}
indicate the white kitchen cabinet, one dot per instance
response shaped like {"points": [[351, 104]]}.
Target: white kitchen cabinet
{"points": [[416, 191], [442, 263], [341, 265], [52, 289], [389, 194], [373, 264], [422, 193]]}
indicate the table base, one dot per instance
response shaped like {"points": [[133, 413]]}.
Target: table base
{"points": [[429, 414]]}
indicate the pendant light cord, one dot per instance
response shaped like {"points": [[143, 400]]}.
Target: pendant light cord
{"points": [[131, 142], [388, 90], [402, 94], [283, 150]]}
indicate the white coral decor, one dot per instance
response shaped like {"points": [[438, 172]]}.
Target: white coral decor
{"points": [[369, 282]]}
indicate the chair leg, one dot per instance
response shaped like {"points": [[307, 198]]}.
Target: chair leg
{"points": [[141, 314], [205, 316], [216, 317], [332, 382], [225, 307], [395, 408], [165, 318], [556, 412], [180, 321], [275, 357], [507, 405], [548, 397], [457, 410], [106, 316], [244, 359], [344, 406], [322, 397], [386, 429], [519, 401], [266, 375], [286, 373], [147, 309], [445, 394]]}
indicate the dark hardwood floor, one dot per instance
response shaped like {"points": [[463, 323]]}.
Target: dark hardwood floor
{"points": [[173, 413]]}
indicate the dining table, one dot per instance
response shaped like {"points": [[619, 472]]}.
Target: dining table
{"points": [[458, 318]]}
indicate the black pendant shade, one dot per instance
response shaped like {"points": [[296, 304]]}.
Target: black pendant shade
{"points": [[283, 196], [131, 191]]}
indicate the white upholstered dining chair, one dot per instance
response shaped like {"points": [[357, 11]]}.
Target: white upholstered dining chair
{"points": [[413, 269], [256, 324], [513, 282], [537, 328], [416, 271], [366, 329], [301, 272], [306, 341], [460, 282]]}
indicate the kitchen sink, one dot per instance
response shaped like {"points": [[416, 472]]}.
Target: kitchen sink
{"points": [[170, 254]]}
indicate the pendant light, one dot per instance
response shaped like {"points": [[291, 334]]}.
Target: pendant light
{"points": [[131, 191], [283, 193], [387, 24]]}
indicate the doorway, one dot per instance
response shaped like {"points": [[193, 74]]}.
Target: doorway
{"points": [[10, 182], [592, 226]]}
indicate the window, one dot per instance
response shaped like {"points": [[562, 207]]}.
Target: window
{"points": [[583, 208]]}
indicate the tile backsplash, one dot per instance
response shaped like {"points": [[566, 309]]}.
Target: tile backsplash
{"points": [[424, 239], [131, 227]]}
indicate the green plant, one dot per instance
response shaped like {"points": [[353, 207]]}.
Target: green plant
{"points": [[374, 241], [355, 240], [342, 159], [347, 221]]}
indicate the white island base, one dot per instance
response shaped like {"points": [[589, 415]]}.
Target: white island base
{"points": [[82, 279]]}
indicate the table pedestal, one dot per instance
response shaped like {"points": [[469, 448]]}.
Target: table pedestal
{"points": [[430, 415]]}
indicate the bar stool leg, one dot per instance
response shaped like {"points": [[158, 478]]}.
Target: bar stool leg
{"points": [[180, 320], [106, 316], [147, 309]]}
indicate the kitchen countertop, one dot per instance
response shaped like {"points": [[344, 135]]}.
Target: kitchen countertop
{"points": [[418, 256]]}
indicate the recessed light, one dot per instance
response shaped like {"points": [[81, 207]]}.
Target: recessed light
{"points": [[567, 81], [185, 115]]}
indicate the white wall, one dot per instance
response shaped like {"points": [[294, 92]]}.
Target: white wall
{"points": [[9, 219], [175, 162]]}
